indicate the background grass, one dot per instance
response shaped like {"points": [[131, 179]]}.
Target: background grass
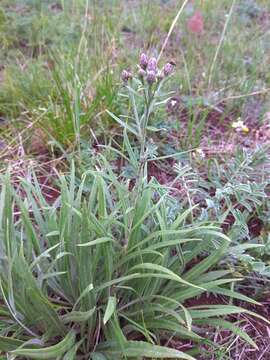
{"points": [[94, 40]]}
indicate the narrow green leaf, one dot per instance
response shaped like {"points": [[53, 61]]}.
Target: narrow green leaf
{"points": [[144, 349], [170, 274], [97, 356], [53, 233], [99, 241], [172, 326], [122, 123], [9, 344], [78, 316], [89, 288], [214, 310], [111, 306], [233, 294], [227, 325], [132, 158], [205, 264], [51, 352]]}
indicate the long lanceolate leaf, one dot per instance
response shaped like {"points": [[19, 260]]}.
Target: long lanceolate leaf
{"points": [[165, 272], [227, 325], [110, 309], [142, 349], [8, 343], [123, 124], [51, 352], [78, 316]]}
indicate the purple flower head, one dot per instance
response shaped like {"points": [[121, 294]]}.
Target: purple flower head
{"points": [[151, 77], [143, 61], [126, 75], [168, 69], [152, 64], [141, 73]]}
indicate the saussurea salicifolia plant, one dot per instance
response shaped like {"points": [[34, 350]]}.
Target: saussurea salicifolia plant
{"points": [[107, 275], [148, 88]]}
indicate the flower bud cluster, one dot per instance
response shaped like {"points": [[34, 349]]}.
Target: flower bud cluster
{"points": [[149, 71]]}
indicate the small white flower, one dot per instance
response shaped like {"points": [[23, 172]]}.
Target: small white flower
{"points": [[200, 153], [240, 126]]}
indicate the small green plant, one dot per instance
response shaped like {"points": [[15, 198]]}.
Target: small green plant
{"points": [[108, 275], [233, 193], [240, 187], [145, 95]]}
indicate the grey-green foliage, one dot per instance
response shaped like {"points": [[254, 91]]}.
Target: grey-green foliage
{"points": [[87, 274], [233, 193]]}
